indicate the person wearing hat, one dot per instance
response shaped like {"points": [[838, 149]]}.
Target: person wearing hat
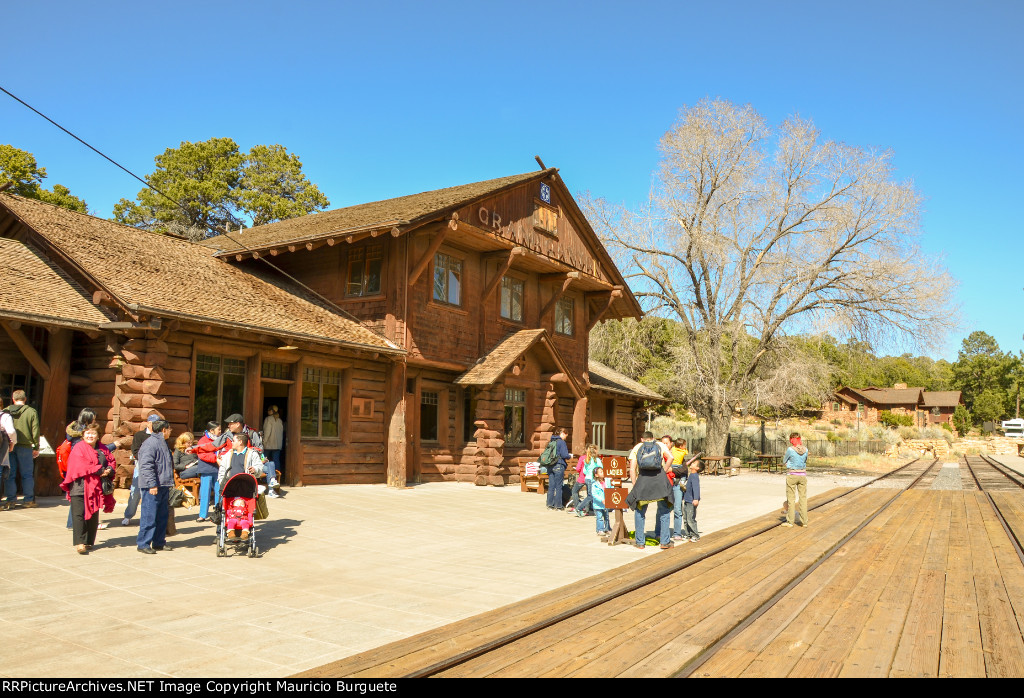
{"points": [[135, 494], [236, 425]]}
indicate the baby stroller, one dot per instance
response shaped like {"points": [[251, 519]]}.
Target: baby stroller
{"points": [[235, 513]]}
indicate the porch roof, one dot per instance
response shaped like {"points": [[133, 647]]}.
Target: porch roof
{"points": [[609, 380], [496, 362]]}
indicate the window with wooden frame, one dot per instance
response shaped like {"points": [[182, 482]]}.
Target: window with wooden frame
{"points": [[364, 270], [512, 298], [515, 417], [447, 279], [220, 389], [428, 415], [545, 218], [276, 371], [321, 403], [565, 316]]}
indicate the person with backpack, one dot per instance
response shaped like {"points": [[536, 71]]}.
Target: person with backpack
{"points": [[554, 458], [22, 457], [650, 484], [8, 440]]}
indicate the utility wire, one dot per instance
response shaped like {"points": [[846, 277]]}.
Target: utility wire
{"points": [[214, 228]]}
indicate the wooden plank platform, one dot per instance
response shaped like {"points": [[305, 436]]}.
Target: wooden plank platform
{"points": [[932, 585]]}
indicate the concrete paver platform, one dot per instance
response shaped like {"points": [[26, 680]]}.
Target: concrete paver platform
{"points": [[344, 569]]}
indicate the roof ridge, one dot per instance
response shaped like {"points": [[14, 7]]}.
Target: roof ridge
{"points": [[164, 236]]}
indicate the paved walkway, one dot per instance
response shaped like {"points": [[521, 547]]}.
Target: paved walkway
{"points": [[344, 569]]}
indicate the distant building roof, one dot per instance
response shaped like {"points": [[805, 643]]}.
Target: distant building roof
{"points": [[942, 398], [604, 378], [165, 275]]}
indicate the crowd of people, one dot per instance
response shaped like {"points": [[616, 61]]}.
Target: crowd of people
{"points": [[87, 468], [659, 474]]}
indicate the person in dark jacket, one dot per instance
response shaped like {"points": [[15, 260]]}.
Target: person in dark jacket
{"points": [[156, 477], [556, 474], [647, 461]]}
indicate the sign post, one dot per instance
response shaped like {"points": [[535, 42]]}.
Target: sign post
{"points": [[615, 499]]}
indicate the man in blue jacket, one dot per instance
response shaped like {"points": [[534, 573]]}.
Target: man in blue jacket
{"points": [[556, 474], [156, 477]]}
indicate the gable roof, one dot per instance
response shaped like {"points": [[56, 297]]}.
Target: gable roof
{"points": [[32, 288], [163, 275], [941, 398], [604, 378], [386, 213], [888, 396], [499, 359]]}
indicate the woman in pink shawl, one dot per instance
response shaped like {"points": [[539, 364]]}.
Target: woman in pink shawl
{"points": [[84, 489]]}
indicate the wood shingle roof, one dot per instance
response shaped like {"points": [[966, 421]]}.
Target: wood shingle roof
{"points": [[163, 275], [604, 378], [387, 213], [33, 289]]}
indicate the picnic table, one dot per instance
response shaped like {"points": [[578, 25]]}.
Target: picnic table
{"points": [[769, 461], [714, 463]]}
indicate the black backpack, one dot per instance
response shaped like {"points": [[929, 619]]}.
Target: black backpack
{"points": [[649, 457], [5, 440]]}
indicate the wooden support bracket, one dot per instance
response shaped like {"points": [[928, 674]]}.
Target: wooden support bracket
{"points": [[567, 281], [612, 295], [423, 261], [26, 348], [502, 270]]}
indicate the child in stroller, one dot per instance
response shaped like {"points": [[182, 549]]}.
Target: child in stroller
{"points": [[235, 514], [237, 476]]}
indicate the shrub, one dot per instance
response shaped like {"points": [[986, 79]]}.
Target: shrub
{"points": [[837, 422], [832, 436], [891, 419], [947, 427], [908, 433]]}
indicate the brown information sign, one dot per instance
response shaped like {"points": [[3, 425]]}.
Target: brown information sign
{"points": [[615, 498], [615, 468]]}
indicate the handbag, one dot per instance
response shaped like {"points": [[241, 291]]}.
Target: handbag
{"points": [[107, 485], [261, 511], [175, 497]]}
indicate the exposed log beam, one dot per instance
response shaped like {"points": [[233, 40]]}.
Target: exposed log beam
{"points": [[423, 261], [274, 252], [493, 283], [331, 242], [310, 246], [292, 248], [596, 317], [26, 348], [554, 378], [567, 280]]}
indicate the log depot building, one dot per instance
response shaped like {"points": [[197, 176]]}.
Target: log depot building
{"points": [[456, 342]]}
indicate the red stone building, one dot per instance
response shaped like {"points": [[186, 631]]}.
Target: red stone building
{"points": [[863, 405]]}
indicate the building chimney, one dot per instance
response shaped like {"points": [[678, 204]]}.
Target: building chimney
{"points": [[900, 386]]}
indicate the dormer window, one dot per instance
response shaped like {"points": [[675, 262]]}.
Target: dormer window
{"points": [[364, 270]]}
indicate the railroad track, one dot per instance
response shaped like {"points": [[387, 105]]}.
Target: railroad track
{"points": [[989, 476], [515, 642]]}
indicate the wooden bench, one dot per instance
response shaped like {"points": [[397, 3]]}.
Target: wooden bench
{"points": [[531, 483], [191, 484]]}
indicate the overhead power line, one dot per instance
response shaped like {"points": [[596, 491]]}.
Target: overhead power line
{"points": [[214, 228]]}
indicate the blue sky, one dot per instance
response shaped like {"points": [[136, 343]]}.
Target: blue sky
{"points": [[390, 98]]}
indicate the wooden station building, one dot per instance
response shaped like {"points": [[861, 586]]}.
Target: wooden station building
{"points": [[437, 336]]}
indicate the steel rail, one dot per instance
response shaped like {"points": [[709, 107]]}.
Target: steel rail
{"points": [[694, 665], [463, 657], [1018, 548]]}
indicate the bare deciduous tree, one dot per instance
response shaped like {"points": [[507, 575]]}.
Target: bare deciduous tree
{"points": [[753, 234]]}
